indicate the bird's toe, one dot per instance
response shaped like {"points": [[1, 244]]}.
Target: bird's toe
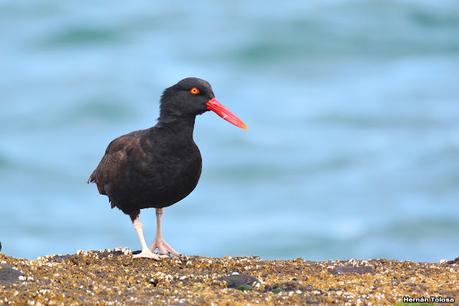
{"points": [[163, 248], [147, 254]]}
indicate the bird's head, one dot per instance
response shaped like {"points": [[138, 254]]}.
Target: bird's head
{"points": [[194, 96]]}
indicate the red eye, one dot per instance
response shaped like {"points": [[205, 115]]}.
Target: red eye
{"points": [[195, 91]]}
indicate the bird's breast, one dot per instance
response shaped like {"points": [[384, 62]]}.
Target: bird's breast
{"points": [[170, 176]]}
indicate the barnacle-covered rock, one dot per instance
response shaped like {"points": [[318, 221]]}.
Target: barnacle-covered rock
{"points": [[113, 277]]}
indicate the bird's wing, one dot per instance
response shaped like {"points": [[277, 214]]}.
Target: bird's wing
{"points": [[114, 161]]}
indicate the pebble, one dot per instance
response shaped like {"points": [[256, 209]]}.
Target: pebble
{"points": [[122, 280]]}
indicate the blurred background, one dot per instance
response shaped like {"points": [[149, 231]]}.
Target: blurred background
{"points": [[353, 112]]}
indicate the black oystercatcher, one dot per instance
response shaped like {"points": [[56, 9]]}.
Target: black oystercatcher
{"points": [[159, 166]]}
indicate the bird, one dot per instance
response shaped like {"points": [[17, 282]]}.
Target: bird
{"points": [[159, 166]]}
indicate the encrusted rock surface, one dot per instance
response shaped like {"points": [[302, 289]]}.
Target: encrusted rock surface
{"points": [[115, 278]]}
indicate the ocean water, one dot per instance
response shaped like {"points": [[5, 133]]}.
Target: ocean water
{"points": [[353, 112]]}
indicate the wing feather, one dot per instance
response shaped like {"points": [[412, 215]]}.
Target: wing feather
{"points": [[113, 162]]}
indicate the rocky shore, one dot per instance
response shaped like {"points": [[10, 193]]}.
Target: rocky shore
{"points": [[113, 277]]}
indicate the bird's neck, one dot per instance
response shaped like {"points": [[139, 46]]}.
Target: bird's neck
{"points": [[181, 127]]}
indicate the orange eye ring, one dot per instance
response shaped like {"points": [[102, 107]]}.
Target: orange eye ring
{"points": [[195, 91]]}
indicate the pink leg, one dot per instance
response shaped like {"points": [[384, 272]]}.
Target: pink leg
{"points": [[162, 246], [145, 253]]}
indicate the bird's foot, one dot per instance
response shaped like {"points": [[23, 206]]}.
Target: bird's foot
{"points": [[163, 248], [146, 253]]}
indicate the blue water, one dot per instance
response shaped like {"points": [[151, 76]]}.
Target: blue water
{"points": [[352, 106]]}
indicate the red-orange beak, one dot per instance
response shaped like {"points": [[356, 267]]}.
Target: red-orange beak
{"points": [[225, 113]]}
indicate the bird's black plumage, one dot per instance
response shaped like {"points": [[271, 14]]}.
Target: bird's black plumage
{"points": [[159, 166]]}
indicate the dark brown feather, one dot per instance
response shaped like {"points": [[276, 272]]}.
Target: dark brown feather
{"points": [[159, 166]]}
